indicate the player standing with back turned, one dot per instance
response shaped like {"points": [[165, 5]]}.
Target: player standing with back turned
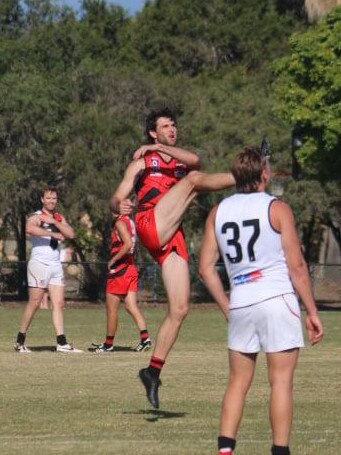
{"points": [[255, 234], [122, 283]]}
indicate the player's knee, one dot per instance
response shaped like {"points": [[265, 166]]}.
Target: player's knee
{"points": [[59, 304], [180, 312], [193, 177], [35, 303], [128, 307]]}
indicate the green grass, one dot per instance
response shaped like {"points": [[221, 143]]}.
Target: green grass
{"points": [[54, 403]]}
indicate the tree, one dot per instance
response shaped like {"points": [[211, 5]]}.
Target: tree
{"points": [[11, 18], [192, 36], [319, 8], [309, 87]]}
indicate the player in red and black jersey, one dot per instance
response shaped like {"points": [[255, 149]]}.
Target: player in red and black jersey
{"points": [[122, 281], [166, 179]]}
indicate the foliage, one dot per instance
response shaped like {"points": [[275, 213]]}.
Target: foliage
{"points": [[191, 36], [309, 86], [309, 202], [76, 90]]}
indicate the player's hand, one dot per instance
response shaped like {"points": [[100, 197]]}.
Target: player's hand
{"points": [[314, 329], [141, 151], [57, 236], [45, 218], [110, 264], [126, 207]]}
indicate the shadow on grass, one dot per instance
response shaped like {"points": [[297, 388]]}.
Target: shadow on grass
{"points": [[153, 415], [329, 306], [116, 349], [42, 348]]}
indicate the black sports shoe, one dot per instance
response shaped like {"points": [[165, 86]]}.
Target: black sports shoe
{"points": [[151, 384], [143, 345]]}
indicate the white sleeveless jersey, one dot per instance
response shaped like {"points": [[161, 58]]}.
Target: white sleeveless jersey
{"points": [[251, 249], [41, 249]]}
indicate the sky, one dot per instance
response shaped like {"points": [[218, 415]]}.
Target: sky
{"points": [[133, 6]]}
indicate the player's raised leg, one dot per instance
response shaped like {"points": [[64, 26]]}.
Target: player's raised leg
{"points": [[170, 209]]}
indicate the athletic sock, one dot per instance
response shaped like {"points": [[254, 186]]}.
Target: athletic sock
{"points": [[144, 334], [280, 450], [155, 366], [21, 338], [226, 445], [109, 341], [61, 340]]}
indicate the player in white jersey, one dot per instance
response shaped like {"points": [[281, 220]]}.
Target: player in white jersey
{"points": [[255, 235], [47, 229]]}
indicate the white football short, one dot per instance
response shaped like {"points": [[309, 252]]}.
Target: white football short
{"points": [[40, 275], [273, 325]]}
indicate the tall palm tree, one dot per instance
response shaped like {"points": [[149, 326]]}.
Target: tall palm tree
{"points": [[318, 8]]}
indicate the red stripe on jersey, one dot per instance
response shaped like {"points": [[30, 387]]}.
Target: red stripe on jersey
{"points": [[157, 178]]}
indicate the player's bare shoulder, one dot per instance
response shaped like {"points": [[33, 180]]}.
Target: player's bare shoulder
{"points": [[135, 169], [280, 214], [33, 218]]}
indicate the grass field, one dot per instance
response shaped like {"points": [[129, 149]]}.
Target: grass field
{"points": [[54, 403]]}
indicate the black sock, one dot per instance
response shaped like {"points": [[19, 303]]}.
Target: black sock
{"points": [[155, 366], [280, 450], [61, 340], [21, 338], [226, 443]]}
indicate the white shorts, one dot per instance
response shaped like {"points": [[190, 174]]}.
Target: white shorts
{"points": [[40, 275], [273, 325]]}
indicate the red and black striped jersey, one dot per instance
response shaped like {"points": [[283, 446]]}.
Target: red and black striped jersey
{"points": [[157, 178], [117, 243]]}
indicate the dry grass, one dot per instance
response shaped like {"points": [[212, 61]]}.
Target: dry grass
{"points": [[93, 403]]}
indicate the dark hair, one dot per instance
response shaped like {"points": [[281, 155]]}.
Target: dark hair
{"points": [[48, 189], [153, 117], [247, 168]]}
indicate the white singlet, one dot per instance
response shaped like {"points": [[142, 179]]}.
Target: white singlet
{"points": [[251, 249], [41, 249]]}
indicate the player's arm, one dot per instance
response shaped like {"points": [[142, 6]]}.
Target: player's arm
{"points": [[209, 255], [283, 220], [120, 202], [65, 229], [125, 236], [191, 159], [33, 227]]}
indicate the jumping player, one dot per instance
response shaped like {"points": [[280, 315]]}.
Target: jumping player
{"points": [[166, 180], [255, 234], [122, 281], [47, 229]]}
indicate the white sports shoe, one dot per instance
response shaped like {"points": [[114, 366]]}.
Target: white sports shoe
{"points": [[67, 348], [22, 348]]}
